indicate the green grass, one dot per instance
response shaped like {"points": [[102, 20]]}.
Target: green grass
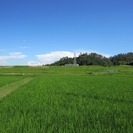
{"points": [[4, 80], [9, 88], [89, 101], [62, 70]]}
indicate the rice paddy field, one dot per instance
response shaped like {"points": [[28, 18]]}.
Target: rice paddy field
{"points": [[83, 99]]}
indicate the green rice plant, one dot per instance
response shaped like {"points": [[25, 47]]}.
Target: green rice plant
{"points": [[4, 80], [63, 70], [70, 104], [9, 88]]}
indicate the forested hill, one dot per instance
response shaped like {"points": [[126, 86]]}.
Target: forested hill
{"points": [[97, 59]]}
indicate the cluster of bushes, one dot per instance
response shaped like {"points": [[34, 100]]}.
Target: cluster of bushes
{"points": [[97, 59]]}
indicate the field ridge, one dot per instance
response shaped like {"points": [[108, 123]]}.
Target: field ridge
{"points": [[7, 89]]}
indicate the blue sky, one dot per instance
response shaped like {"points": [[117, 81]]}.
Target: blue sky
{"points": [[36, 32]]}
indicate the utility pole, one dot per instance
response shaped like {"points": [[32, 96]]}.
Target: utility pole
{"points": [[74, 61]]}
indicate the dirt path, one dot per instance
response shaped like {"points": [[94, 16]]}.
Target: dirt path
{"points": [[7, 89]]}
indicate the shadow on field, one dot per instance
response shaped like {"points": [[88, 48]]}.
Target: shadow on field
{"points": [[96, 97]]}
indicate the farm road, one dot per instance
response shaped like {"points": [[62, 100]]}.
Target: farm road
{"points": [[7, 89]]}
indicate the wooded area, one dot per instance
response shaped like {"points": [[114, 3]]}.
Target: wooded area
{"points": [[97, 59]]}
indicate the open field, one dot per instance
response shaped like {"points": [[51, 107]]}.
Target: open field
{"points": [[66, 99]]}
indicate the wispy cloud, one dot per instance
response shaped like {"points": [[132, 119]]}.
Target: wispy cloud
{"points": [[14, 55]]}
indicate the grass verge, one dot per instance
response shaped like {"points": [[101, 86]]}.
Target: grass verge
{"points": [[7, 89]]}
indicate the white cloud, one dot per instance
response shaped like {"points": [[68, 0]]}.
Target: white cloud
{"points": [[14, 55], [53, 56], [33, 63], [49, 58]]}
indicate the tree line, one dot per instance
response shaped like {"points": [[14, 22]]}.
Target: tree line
{"points": [[97, 59]]}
